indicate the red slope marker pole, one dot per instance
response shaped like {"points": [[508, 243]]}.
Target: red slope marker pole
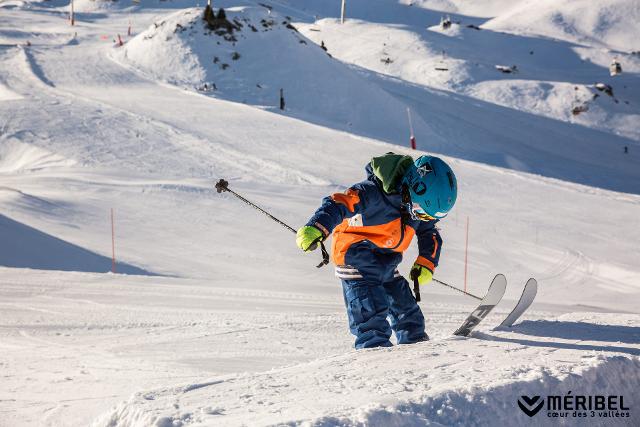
{"points": [[412, 138], [113, 244]]}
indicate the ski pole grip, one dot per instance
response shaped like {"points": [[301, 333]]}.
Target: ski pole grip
{"points": [[416, 287], [222, 186], [414, 274], [325, 256]]}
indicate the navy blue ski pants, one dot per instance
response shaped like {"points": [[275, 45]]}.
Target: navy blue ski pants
{"points": [[368, 306]]}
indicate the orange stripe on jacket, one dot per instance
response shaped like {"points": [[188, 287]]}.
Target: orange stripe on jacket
{"points": [[349, 198], [425, 263], [435, 246], [383, 236]]}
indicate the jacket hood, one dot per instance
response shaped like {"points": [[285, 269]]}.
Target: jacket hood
{"points": [[389, 170]]}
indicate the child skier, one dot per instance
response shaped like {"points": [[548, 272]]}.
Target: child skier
{"points": [[373, 223]]}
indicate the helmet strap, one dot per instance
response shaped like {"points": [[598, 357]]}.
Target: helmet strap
{"points": [[406, 197], [406, 204]]}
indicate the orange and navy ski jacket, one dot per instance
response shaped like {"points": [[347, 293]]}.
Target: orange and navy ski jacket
{"points": [[371, 229]]}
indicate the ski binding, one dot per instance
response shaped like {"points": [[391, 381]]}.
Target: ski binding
{"points": [[490, 300]]}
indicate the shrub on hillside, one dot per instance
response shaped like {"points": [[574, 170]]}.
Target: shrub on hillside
{"points": [[219, 21]]}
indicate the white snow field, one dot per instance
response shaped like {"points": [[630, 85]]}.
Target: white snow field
{"points": [[213, 316]]}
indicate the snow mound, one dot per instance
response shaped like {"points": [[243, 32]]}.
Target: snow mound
{"points": [[391, 50], [447, 381], [609, 23], [575, 103], [483, 406], [259, 54], [13, 4], [7, 94], [88, 6], [18, 156], [480, 8]]}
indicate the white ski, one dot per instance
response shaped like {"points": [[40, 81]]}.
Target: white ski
{"points": [[527, 297], [490, 300]]}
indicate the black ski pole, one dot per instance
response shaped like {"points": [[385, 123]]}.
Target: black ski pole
{"points": [[457, 289], [222, 186], [416, 284]]}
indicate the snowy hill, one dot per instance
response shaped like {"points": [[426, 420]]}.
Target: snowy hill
{"points": [[607, 23], [454, 76], [213, 316], [480, 8], [256, 56]]}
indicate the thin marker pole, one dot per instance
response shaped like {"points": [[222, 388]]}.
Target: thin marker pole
{"points": [[412, 138], [466, 256], [342, 10], [113, 244]]}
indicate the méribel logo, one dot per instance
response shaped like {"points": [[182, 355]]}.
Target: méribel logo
{"points": [[530, 405]]}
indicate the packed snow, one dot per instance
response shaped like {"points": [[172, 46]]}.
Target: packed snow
{"points": [[213, 316]]}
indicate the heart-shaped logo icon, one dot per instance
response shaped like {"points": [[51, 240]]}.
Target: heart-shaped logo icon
{"points": [[530, 405]]}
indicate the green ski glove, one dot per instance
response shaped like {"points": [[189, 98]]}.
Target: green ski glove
{"points": [[423, 274], [308, 237]]}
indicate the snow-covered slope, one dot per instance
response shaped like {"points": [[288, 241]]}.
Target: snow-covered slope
{"points": [[480, 8], [261, 54], [20, 157], [551, 81], [583, 104], [355, 389], [607, 23]]}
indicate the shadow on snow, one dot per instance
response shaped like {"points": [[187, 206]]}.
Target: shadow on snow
{"points": [[579, 331], [26, 247]]}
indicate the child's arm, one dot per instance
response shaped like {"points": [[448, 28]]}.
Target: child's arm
{"points": [[429, 245], [337, 207]]}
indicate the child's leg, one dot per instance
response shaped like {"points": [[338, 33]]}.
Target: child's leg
{"points": [[407, 320], [367, 308]]}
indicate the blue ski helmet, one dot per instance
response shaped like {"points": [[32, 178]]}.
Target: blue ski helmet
{"points": [[432, 188]]}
